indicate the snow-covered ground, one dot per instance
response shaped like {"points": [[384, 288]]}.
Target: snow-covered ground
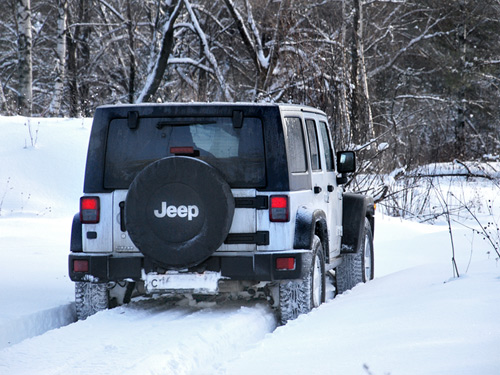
{"points": [[414, 318]]}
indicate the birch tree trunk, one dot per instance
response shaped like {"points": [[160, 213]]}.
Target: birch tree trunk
{"points": [[355, 116], [24, 67], [344, 85], [60, 68], [72, 71], [367, 129], [83, 38]]}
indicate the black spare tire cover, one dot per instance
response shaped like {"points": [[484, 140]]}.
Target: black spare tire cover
{"points": [[178, 211]]}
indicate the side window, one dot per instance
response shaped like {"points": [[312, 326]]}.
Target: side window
{"points": [[296, 147], [323, 128], [313, 144]]}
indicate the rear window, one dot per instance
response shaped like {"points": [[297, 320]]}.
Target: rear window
{"points": [[313, 145], [238, 153], [295, 144]]}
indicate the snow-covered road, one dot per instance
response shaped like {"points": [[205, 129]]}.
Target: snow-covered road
{"points": [[146, 337]]}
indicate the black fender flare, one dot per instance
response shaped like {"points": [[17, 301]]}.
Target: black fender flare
{"points": [[76, 245], [355, 208], [309, 223]]}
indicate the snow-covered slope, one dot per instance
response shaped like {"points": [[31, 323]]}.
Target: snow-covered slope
{"points": [[418, 320], [41, 176], [413, 318]]}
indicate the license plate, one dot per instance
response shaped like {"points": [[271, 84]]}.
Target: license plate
{"points": [[203, 283]]}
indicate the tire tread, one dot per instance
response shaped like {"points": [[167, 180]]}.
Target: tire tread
{"points": [[295, 296], [351, 271], [90, 298]]}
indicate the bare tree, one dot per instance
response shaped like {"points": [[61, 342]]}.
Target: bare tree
{"points": [[25, 72], [226, 94], [418, 79], [159, 56], [60, 65], [8, 59], [131, 51]]}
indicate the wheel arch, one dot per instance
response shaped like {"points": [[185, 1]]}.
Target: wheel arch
{"points": [[355, 208], [76, 244], [309, 223]]}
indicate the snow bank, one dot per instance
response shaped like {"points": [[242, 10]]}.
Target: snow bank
{"points": [[414, 318], [413, 322], [41, 179]]}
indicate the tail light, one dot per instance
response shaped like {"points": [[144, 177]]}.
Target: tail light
{"points": [[285, 264], [89, 210], [80, 265], [279, 211]]}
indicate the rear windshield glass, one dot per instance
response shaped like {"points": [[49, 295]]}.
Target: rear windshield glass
{"points": [[237, 152]]}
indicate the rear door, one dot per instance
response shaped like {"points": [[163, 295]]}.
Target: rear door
{"points": [[335, 192], [235, 150], [324, 176], [242, 235]]}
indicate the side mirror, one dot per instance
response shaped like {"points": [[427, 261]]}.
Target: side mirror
{"points": [[346, 162]]}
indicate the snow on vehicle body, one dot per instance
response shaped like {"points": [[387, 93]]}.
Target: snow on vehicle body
{"points": [[211, 198]]}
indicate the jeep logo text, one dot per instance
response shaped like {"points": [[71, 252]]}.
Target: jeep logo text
{"points": [[181, 211]]}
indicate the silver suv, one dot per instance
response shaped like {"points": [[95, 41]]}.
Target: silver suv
{"points": [[217, 199]]}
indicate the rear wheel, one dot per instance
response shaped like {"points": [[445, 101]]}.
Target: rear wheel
{"points": [[298, 297], [90, 298], [358, 267]]}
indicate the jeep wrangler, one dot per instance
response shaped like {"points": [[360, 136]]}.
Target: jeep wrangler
{"points": [[214, 199]]}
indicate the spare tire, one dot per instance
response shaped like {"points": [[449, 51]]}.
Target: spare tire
{"points": [[178, 211]]}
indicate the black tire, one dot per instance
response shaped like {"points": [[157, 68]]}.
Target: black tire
{"points": [[178, 211], [357, 267], [298, 297], [90, 298]]}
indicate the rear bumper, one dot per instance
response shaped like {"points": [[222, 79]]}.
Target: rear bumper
{"points": [[254, 266]]}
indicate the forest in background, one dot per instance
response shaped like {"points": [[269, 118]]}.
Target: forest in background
{"points": [[405, 82]]}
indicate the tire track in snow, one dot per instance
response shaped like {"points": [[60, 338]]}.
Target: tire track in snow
{"points": [[148, 337]]}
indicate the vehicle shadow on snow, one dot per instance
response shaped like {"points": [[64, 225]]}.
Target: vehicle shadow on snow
{"points": [[187, 302]]}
